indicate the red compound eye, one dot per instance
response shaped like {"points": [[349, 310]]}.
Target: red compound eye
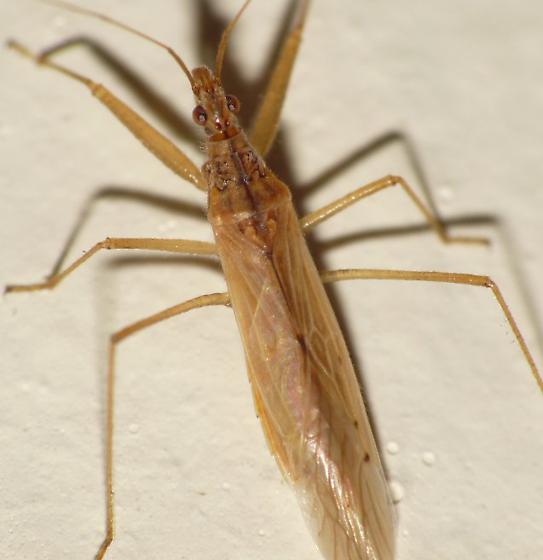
{"points": [[233, 103], [199, 115]]}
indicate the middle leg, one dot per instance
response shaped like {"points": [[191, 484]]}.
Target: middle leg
{"points": [[185, 246], [311, 220]]}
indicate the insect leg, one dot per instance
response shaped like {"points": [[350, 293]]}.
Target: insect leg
{"points": [[447, 277], [267, 118], [154, 141], [314, 218], [202, 301], [149, 244]]}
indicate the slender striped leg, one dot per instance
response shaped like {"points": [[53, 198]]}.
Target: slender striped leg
{"points": [[314, 218], [447, 277], [184, 246], [160, 146], [267, 118], [116, 338]]}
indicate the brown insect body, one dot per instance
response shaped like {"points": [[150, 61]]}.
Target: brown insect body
{"points": [[304, 385]]}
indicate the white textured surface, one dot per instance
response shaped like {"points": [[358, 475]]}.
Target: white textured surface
{"points": [[452, 398]]}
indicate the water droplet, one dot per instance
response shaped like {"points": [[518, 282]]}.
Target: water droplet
{"points": [[392, 447], [59, 22], [226, 486], [133, 428], [167, 226], [261, 533], [396, 491], [5, 130], [445, 193], [428, 458]]}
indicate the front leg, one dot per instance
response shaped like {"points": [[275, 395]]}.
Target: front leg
{"points": [[160, 146]]}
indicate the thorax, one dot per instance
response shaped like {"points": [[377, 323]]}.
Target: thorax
{"points": [[241, 187]]}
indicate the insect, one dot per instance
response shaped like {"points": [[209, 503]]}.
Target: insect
{"points": [[262, 235]]}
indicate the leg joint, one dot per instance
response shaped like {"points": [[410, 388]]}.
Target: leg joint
{"points": [[489, 283], [394, 180]]}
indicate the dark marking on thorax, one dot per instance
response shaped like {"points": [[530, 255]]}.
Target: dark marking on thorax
{"points": [[243, 190]]}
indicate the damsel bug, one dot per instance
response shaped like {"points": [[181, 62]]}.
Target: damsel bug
{"points": [[300, 342]]}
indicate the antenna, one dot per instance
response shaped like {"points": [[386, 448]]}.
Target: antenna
{"points": [[224, 41], [97, 15]]}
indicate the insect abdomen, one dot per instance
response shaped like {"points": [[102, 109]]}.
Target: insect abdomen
{"points": [[305, 388]]}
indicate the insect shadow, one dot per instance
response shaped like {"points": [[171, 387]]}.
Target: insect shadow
{"points": [[209, 27]]}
